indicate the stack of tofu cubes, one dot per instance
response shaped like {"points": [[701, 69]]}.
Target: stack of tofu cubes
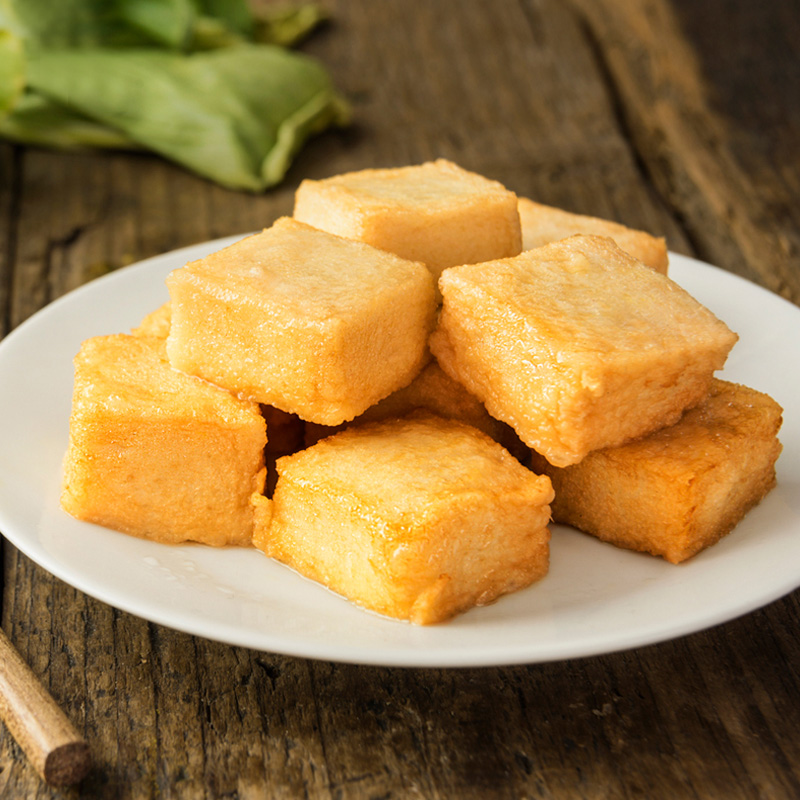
{"points": [[384, 390]]}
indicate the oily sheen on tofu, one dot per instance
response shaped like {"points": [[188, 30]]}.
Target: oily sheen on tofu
{"points": [[577, 345], [681, 489], [436, 213], [417, 518], [300, 319], [156, 453]]}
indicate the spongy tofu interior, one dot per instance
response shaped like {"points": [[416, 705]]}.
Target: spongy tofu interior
{"points": [[302, 320], [577, 345], [416, 518], [157, 453]]}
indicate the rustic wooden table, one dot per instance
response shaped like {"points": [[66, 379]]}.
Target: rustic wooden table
{"points": [[677, 116]]}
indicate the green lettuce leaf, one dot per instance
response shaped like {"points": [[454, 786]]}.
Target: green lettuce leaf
{"points": [[289, 25], [124, 23], [191, 80], [44, 123], [236, 115], [12, 70]]}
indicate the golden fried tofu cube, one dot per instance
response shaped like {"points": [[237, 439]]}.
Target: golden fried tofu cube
{"points": [[435, 391], [311, 323], [577, 345], [419, 518], [285, 432], [156, 453], [436, 212], [543, 224], [680, 489], [156, 323]]}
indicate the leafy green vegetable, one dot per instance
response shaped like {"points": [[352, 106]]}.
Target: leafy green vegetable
{"points": [[188, 79], [39, 121], [165, 23], [12, 68], [220, 112], [289, 25]]}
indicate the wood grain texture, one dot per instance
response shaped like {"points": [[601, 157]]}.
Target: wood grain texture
{"points": [[730, 183], [676, 117], [53, 746]]}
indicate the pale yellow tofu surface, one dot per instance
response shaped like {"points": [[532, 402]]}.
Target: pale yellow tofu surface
{"points": [[435, 391], [436, 212], [156, 453], [543, 224], [418, 519], [577, 345], [156, 323], [297, 318], [681, 489]]}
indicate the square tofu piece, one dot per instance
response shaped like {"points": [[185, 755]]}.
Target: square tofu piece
{"points": [[435, 391], [681, 489], [308, 322], [577, 345], [544, 224], [156, 323], [156, 453], [436, 213], [418, 518]]}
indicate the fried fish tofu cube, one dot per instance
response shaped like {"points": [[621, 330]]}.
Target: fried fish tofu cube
{"points": [[418, 518], [435, 391], [156, 323], [577, 345], [156, 453], [436, 212], [543, 224], [297, 318], [680, 489]]}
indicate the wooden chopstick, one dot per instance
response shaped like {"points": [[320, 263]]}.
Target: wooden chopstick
{"points": [[57, 751]]}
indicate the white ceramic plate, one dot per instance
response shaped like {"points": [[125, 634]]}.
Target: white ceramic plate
{"points": [[596, 599]]}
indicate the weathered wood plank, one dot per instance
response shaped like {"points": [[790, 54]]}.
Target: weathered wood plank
{"points": [[731, 190], [170, 715], [513, 94]]}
